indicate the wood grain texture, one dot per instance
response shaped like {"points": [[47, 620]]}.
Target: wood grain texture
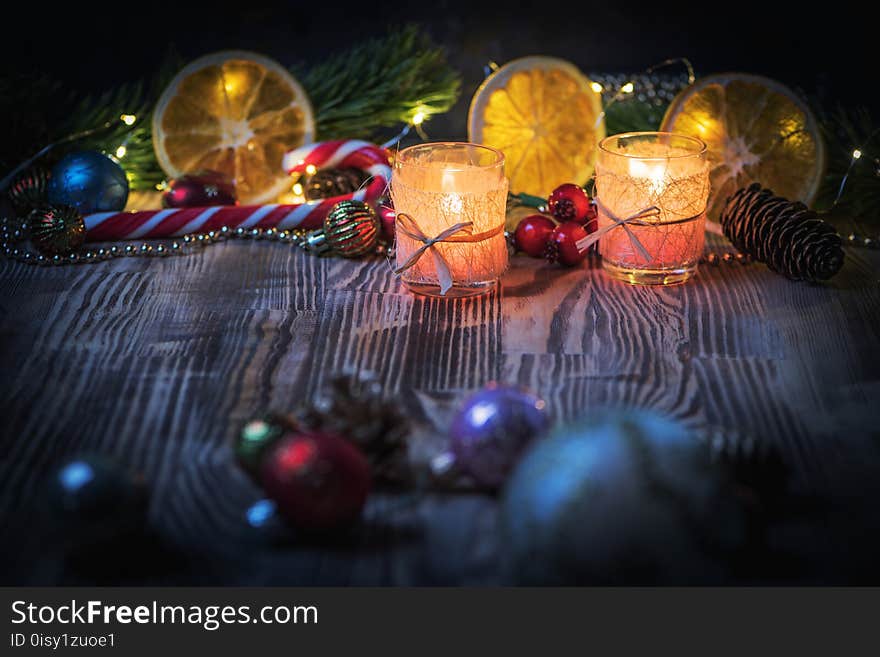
{"points": [[159, 362]]}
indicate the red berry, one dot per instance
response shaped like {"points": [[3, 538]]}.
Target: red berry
{"points": [[318, 480], [569, 202], [561, 246], [532, 233]]}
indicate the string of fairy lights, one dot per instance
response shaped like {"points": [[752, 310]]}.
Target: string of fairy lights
{"points": [[858, 153], [297, 192], [623, 90], [629, 87]]}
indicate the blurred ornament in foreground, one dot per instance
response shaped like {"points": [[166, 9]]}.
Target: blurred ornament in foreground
{"points": [[88, 181], [93, 499], [319, 481], [263, 523], [626, 497], [256, 439], [491, 430]]}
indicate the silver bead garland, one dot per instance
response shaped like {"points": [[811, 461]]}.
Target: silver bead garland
{"points": [[12, 232]]}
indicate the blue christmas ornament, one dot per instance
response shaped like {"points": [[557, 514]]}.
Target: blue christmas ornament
{"points": [[263, 523], [261, 513], [492, 428], [90, 182], [625, 497], [96, 498]]}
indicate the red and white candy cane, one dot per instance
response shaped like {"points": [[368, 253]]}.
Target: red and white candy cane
{"points": [[173, 222]]}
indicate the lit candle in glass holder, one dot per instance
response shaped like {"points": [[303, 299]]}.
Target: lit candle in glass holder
{"points": [[652, 190], [450, 200]]}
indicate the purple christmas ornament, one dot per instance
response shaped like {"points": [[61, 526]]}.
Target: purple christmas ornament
{"points": [[492, 428]]}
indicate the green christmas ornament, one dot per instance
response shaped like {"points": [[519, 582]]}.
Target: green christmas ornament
{"points": [[56, 230], [256, 437]]}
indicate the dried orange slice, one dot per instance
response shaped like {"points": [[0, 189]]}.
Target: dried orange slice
{"points": [[545, 116], [757, 130], [235, 112]]}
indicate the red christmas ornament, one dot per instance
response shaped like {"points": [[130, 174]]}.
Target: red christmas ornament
{"points": [[318, 480], [569, 202], [561, 246], [199, 190], [532, 233]]}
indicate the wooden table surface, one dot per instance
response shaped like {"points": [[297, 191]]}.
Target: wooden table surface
{"points": [[159, 362]]}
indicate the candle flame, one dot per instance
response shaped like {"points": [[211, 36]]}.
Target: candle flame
{"points": [[654, 173]]}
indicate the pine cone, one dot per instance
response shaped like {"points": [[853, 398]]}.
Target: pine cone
{"points": [[790, 238], [355, 408], [327, 183]]}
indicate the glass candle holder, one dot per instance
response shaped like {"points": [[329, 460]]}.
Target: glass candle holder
{"points": [[450, 199], [664, 177]]}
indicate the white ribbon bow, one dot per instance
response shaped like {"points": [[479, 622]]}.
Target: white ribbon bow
{"points": [[408, 226], [637, 219]]}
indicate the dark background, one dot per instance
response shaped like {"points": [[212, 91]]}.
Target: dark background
{"points": [[828, 55]]}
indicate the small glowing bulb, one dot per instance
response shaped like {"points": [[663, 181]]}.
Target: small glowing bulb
{"points": [[857, 154], [128, 119], [297, 189], [627, 88], [120, 152], [418, 118], [595, 86], [311, 169]]}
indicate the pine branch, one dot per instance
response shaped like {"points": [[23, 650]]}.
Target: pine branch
{"points": [[859, 204], [630, 115], [43, 112], [380, 83]]}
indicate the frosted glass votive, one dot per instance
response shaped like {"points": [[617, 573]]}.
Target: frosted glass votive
{"points": [[450, 199]]}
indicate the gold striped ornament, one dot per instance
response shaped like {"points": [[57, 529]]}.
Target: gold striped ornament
{"points": [[351, 229], [56, 230]]}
